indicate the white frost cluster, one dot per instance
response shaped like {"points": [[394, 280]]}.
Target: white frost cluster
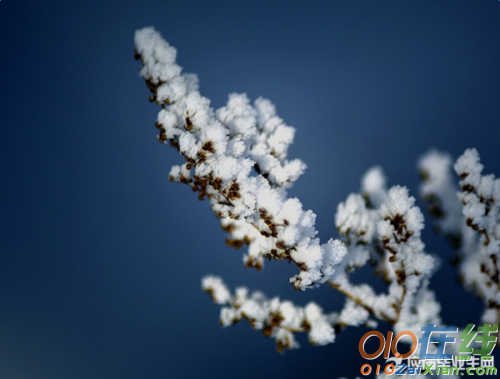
{"points": [[278, 319], [470, 217], [216, 288], [237, 157], [384, 227], [438, 190]]}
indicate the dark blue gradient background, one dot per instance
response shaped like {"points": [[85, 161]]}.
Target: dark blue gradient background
{"points": [[101, 257]]}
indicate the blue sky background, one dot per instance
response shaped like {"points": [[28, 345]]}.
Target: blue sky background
{"points": [[101, 257]]}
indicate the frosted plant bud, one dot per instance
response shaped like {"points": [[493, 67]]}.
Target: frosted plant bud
{"points": [[149, 42], [245, 167], [353, 217], [357, 256], [334, 252], [271, 125], [474, 210], [188, 145], [202, 170], [307, 221], [291, 211], [290, 236], [281, 139], [373, 185], [294, 169], [229, 316], [302, 281], [405, 219], [277, 173], [168, 120], [292, 315], [175, 173], [164, 93], [227, 168], [236, 147], [435, 167], [321, 332], [268, 200], [353, 314], [215, 134], [440, 192], [385, 229], [198, 110], [191, 81], [420, 263], [266, 161], [179, 89], [185, 172], [309, 255], [253, 259], [275, 304], [220, 210], [259, 152], [265, 111], [254, 312], [157, 55], [398, 202], [313, 312], [284, 339], [241, 295], [239, 116], [469, 168], [415, 220], [486, 186], [216, 288]]}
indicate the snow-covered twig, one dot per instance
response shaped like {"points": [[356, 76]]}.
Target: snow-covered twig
{"points": [[236, 157], [470, 217]]}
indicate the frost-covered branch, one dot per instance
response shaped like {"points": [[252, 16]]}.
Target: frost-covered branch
{"points": [[280, 319], [470, 217], [237, 158], [383, 227]]}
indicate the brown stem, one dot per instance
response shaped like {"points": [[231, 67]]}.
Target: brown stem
{"points": [[398, 312], [229, 202]]}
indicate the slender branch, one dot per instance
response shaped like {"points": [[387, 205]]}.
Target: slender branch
{"points": [[359, 302]]}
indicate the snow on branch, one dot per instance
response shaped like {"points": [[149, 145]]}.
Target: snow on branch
{"points": [[237, 157], [383, 227], [470, 217], [279, 319]]}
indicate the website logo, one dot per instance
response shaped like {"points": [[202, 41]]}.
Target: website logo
{"points": [[475, 349]]}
